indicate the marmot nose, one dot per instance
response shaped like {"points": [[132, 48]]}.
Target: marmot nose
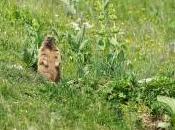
{"points": [[48, 44]]}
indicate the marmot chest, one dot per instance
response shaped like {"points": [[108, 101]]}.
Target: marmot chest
{"points": [[50, 64]]}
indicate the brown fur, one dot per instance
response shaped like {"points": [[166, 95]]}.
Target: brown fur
{"points": [[49, 60]]}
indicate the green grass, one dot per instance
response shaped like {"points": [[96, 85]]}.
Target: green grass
{"points": [[101, 68], [28, 102]]}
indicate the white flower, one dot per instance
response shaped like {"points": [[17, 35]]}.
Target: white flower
{"points": [[75, 26], [147, 80], [56, 15], [87, 25], [19, 67]]}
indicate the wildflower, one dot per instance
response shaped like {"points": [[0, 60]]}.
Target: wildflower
{"points": [[147, 80], [87, 25], [56, 15], [19, 67], [77, 25]]}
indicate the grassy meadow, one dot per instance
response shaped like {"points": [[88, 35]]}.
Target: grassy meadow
{"points": [[118, 65]]}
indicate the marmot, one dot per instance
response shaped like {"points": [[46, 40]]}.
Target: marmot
{"points": [[49, 60]]}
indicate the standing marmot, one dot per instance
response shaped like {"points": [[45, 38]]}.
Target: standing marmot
{"points": [[49, 60]]}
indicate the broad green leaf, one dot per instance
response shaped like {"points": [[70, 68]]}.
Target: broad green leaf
{"points": [[121, 56], [163, 125], [106, 3], [168, 101], [101, 44], [80, 35], [113, 41], [83, 44]]}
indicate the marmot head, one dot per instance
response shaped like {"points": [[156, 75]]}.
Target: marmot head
{"points": [[49, 42]]}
